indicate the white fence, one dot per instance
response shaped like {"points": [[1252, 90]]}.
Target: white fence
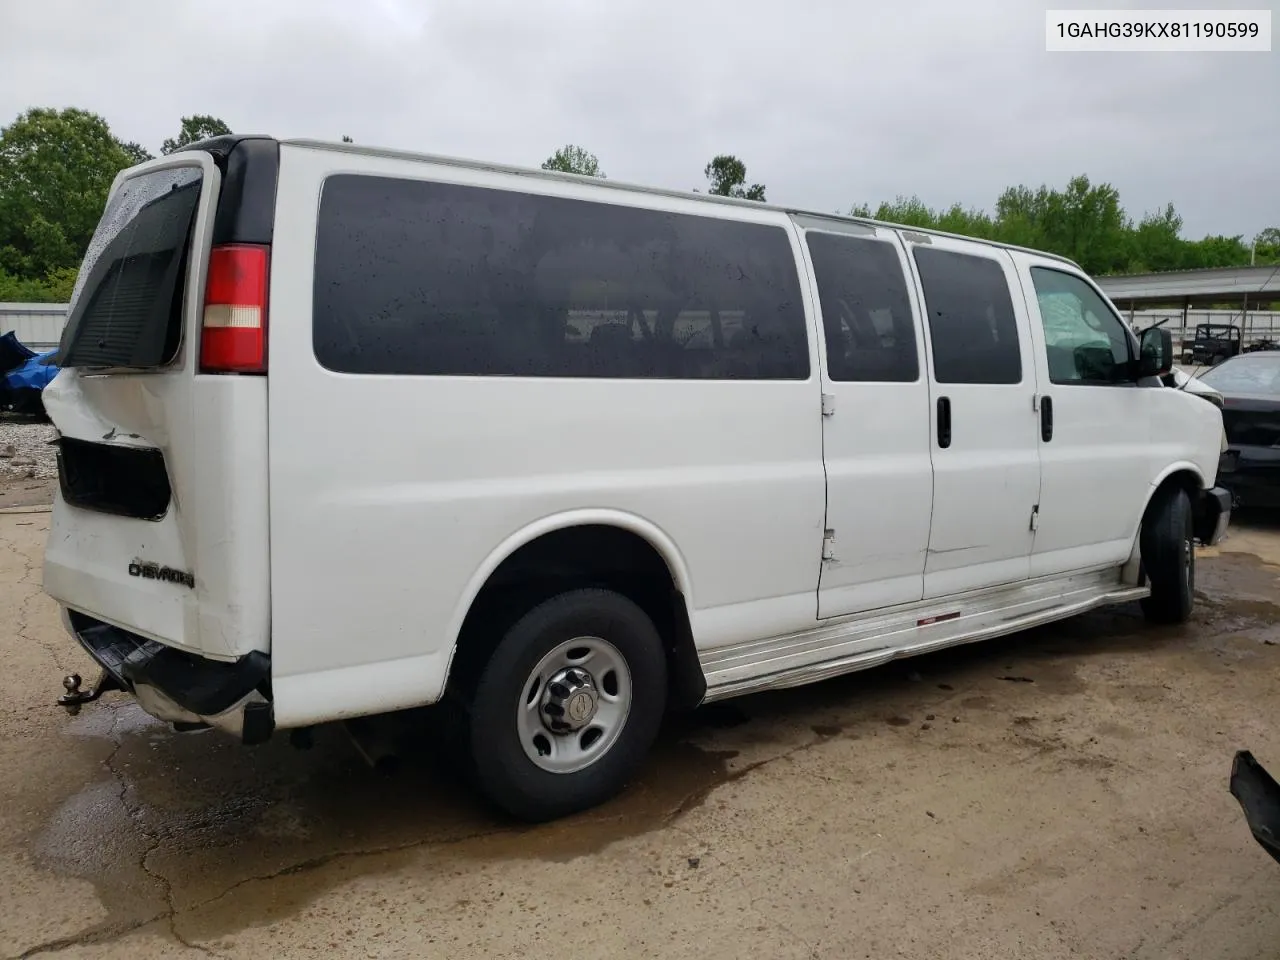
{"points": [[39, 325], [1253, 324]]}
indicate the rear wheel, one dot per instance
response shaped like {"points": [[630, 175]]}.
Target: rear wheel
{"points": [[568, 706], [1169, 557]]}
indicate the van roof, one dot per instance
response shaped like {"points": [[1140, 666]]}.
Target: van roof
{"points": [[640, 188]]}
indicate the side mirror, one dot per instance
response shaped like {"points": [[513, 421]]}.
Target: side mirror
{"points": [[1155, 352]]}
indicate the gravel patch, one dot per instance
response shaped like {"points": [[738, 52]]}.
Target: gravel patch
{"points": [[26, 453]]}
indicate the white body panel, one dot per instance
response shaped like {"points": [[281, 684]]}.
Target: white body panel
{"points": [[875, 441], [346, 522], [986, 483], [384, 522]]}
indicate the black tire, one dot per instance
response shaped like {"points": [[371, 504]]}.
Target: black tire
{"points": [[1217, 359], [506, 775], [1168, 557]]}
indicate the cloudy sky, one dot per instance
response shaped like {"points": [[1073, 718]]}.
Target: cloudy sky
{"points": [[829, 102]]}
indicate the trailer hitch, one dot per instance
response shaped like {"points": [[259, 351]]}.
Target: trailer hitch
{"points": [[74, 698]]}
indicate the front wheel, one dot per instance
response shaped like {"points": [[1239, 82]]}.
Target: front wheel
{"points": [[568, 706], [1169, 557]]}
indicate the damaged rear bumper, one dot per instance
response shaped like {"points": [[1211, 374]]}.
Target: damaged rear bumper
{"points": [[179, 687], [1259, 797]]}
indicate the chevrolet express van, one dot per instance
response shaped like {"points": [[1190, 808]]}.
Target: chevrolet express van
{"points": [[347, 431]]}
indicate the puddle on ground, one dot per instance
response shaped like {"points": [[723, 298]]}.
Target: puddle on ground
{"points": [[209, 814]]}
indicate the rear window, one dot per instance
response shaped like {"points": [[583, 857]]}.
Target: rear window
{"points": [[417, 278], [126, 310]]}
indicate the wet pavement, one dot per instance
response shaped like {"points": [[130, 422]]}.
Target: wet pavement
{"points": [[1061, 793]]}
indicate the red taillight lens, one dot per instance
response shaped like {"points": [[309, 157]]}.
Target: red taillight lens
{"points": [[233, 337]]}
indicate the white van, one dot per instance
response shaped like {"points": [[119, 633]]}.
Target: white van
{"points": [[346, 431]]}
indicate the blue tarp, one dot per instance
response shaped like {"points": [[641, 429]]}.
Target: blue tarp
{"points": [[33, 374], [23, 368]]}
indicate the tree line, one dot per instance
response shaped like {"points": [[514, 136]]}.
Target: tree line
{"points": [[56, 167], [1083, 221]]}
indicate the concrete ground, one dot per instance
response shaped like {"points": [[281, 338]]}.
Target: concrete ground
{"points": [[1062, 793]]}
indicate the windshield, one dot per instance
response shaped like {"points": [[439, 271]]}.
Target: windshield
{"points": [[1216, 333], [1255, 375]]}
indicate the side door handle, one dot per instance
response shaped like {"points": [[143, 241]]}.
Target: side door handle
{"points": [[1046, 419], [944, 422]]}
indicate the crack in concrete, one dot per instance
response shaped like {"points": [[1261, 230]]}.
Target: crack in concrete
{"points": [[91, 937], [24, 614], [316, 863]]}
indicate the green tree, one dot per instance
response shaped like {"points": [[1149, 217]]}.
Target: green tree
{"points": [[194, 129], [728, 177], [572, 158], [136, 152], [1266, 246], [1217, 251], [1087, 223], [55, 170], [967, 222], [1156, 243], [907, 211]]}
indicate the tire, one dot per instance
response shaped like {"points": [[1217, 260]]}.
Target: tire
{"points": [[523, 766], [1217, 359], [1168, 556]]}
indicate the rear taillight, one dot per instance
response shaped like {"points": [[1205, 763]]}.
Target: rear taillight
{"points": [[233, 336]]}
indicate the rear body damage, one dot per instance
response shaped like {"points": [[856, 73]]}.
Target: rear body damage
{"points": [[158, 549]]}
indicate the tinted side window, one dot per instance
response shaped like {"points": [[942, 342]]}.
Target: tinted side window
{"points": [[1085, 341], [439, 279], [971, 322], [866, 312]]}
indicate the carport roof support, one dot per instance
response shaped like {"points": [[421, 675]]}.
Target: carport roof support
{"points": [[1244, 285]]}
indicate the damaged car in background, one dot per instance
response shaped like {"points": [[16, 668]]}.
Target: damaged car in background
{"points": [[1250, 389], [24, 377]]}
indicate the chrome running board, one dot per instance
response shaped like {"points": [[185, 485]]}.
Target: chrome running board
{"points": [[870, 640]]}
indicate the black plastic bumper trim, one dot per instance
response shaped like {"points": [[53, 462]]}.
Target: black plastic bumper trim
{"points": [[1211, 506], [1259, 798], [198, 685]]}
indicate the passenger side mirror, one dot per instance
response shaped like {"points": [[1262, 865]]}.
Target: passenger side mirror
{"points": [[1155, 353]]}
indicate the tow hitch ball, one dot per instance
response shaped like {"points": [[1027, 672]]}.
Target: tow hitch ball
{"points": [[72, 700]]}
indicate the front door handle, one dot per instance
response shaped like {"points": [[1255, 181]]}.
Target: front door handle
{"points": [[944, 422], [1046, 419]]}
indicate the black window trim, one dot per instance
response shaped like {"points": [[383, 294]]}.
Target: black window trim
{"points": [[795, 248], [1130, 339], [915, 247], [919, 336]]}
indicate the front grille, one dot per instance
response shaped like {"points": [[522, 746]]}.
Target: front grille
{"points": [[1252, 429], [126, 481]]}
